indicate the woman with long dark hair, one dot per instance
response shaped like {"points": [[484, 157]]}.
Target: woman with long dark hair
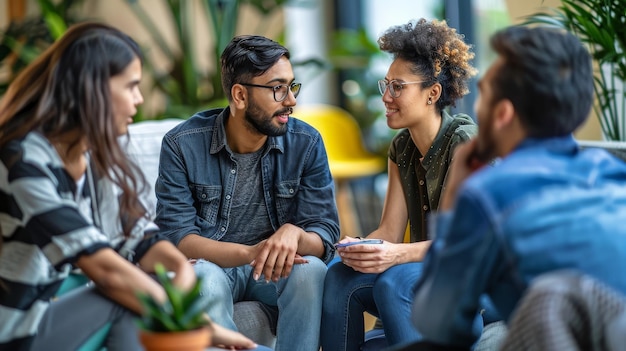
{"points": [[69, 198]]}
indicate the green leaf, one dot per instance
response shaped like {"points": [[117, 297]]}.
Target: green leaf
{"points": [[183, 310], [601, 25], [53, 18]]}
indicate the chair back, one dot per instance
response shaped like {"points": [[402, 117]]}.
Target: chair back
{"points": [[347, 155]]}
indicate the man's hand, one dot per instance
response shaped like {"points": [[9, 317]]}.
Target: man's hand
{"points": [[462, 166], [277, 255]]}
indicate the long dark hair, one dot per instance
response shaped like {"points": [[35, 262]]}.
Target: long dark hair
{"points": [[67, 89]]}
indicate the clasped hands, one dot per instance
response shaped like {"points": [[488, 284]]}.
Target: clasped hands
{"points": [[275, 256]]}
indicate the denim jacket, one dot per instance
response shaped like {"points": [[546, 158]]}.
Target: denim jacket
{"points": [[546, 206], [197, 176]]}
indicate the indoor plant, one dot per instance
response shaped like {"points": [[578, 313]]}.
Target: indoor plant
{"points": [[601, 25], [179, 323], [25, 38], [187, 85]]}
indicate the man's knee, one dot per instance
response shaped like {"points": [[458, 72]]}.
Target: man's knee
{"points": [[306, 279], [313, 271], [214, 280]]}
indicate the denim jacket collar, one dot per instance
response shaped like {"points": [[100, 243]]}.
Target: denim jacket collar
{"points": [[562, 144], [219, 136]]}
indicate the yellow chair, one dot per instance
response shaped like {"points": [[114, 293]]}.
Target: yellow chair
{"points": [[348, 158]]}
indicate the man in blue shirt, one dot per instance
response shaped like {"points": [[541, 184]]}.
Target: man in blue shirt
{"points": [[545, 205], [246, 191]]}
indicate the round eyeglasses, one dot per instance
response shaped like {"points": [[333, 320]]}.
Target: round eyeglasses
{"points": [[280, 91], [395, 87]]}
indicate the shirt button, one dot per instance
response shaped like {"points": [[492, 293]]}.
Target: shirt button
{"points": [[223, 229], [232, 171], [227, 197], [425, 208], [421, 182], [290, 191], [203, 196]]}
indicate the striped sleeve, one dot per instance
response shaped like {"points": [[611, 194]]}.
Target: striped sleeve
{"points": [[49, 217]]}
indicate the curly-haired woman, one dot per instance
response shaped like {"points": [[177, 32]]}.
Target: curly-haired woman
{"points": [[430, 71]]}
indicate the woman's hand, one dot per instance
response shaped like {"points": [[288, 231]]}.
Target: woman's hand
{"points": [[369, 258], [185, 276], [377, 258], [230, 340], [166, 253]]}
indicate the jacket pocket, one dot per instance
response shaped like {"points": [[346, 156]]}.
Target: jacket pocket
{"points": [[286, 203], [207, 200]]}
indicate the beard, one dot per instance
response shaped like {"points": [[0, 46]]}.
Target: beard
{"points": [[486, 141], [260, 122]]}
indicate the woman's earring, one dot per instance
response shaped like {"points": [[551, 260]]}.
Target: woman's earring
{"points": [[430, 101]]}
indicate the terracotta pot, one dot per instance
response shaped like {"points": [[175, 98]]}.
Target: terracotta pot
{"points": [[193, 340]]}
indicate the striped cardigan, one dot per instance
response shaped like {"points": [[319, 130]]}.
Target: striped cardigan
{"points": [[47, 223]]}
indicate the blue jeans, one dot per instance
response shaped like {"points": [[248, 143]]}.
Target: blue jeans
{"points": [[298, 298], [388, 295], [347, 294]]}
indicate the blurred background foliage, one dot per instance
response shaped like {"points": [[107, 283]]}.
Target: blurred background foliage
{"points": [[601, 25], [186, 85], [182, 76], [23, 40]]}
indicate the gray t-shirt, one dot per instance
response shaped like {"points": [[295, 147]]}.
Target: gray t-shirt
{"points": [[250, 221]]}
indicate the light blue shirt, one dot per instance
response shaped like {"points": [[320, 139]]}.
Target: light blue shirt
{"points": [[546, 206]]}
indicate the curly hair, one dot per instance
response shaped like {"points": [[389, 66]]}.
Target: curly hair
{"points": [[437, 52]]}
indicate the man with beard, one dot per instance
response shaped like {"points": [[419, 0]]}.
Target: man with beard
{"points": [[546, 205], [246, 193]]}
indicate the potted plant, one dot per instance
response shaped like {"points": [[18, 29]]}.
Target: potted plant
{"points": [[601, 25], [179, 323]]}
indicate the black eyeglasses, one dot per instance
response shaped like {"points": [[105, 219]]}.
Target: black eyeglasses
{"points": [[395, 87], [280, 91]]}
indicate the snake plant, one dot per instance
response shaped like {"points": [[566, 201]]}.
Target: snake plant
{"points": [[182, 311]]}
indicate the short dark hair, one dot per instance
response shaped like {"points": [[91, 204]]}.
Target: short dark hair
{"points": [[547, 74], [248, 56], [436, 52]]}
